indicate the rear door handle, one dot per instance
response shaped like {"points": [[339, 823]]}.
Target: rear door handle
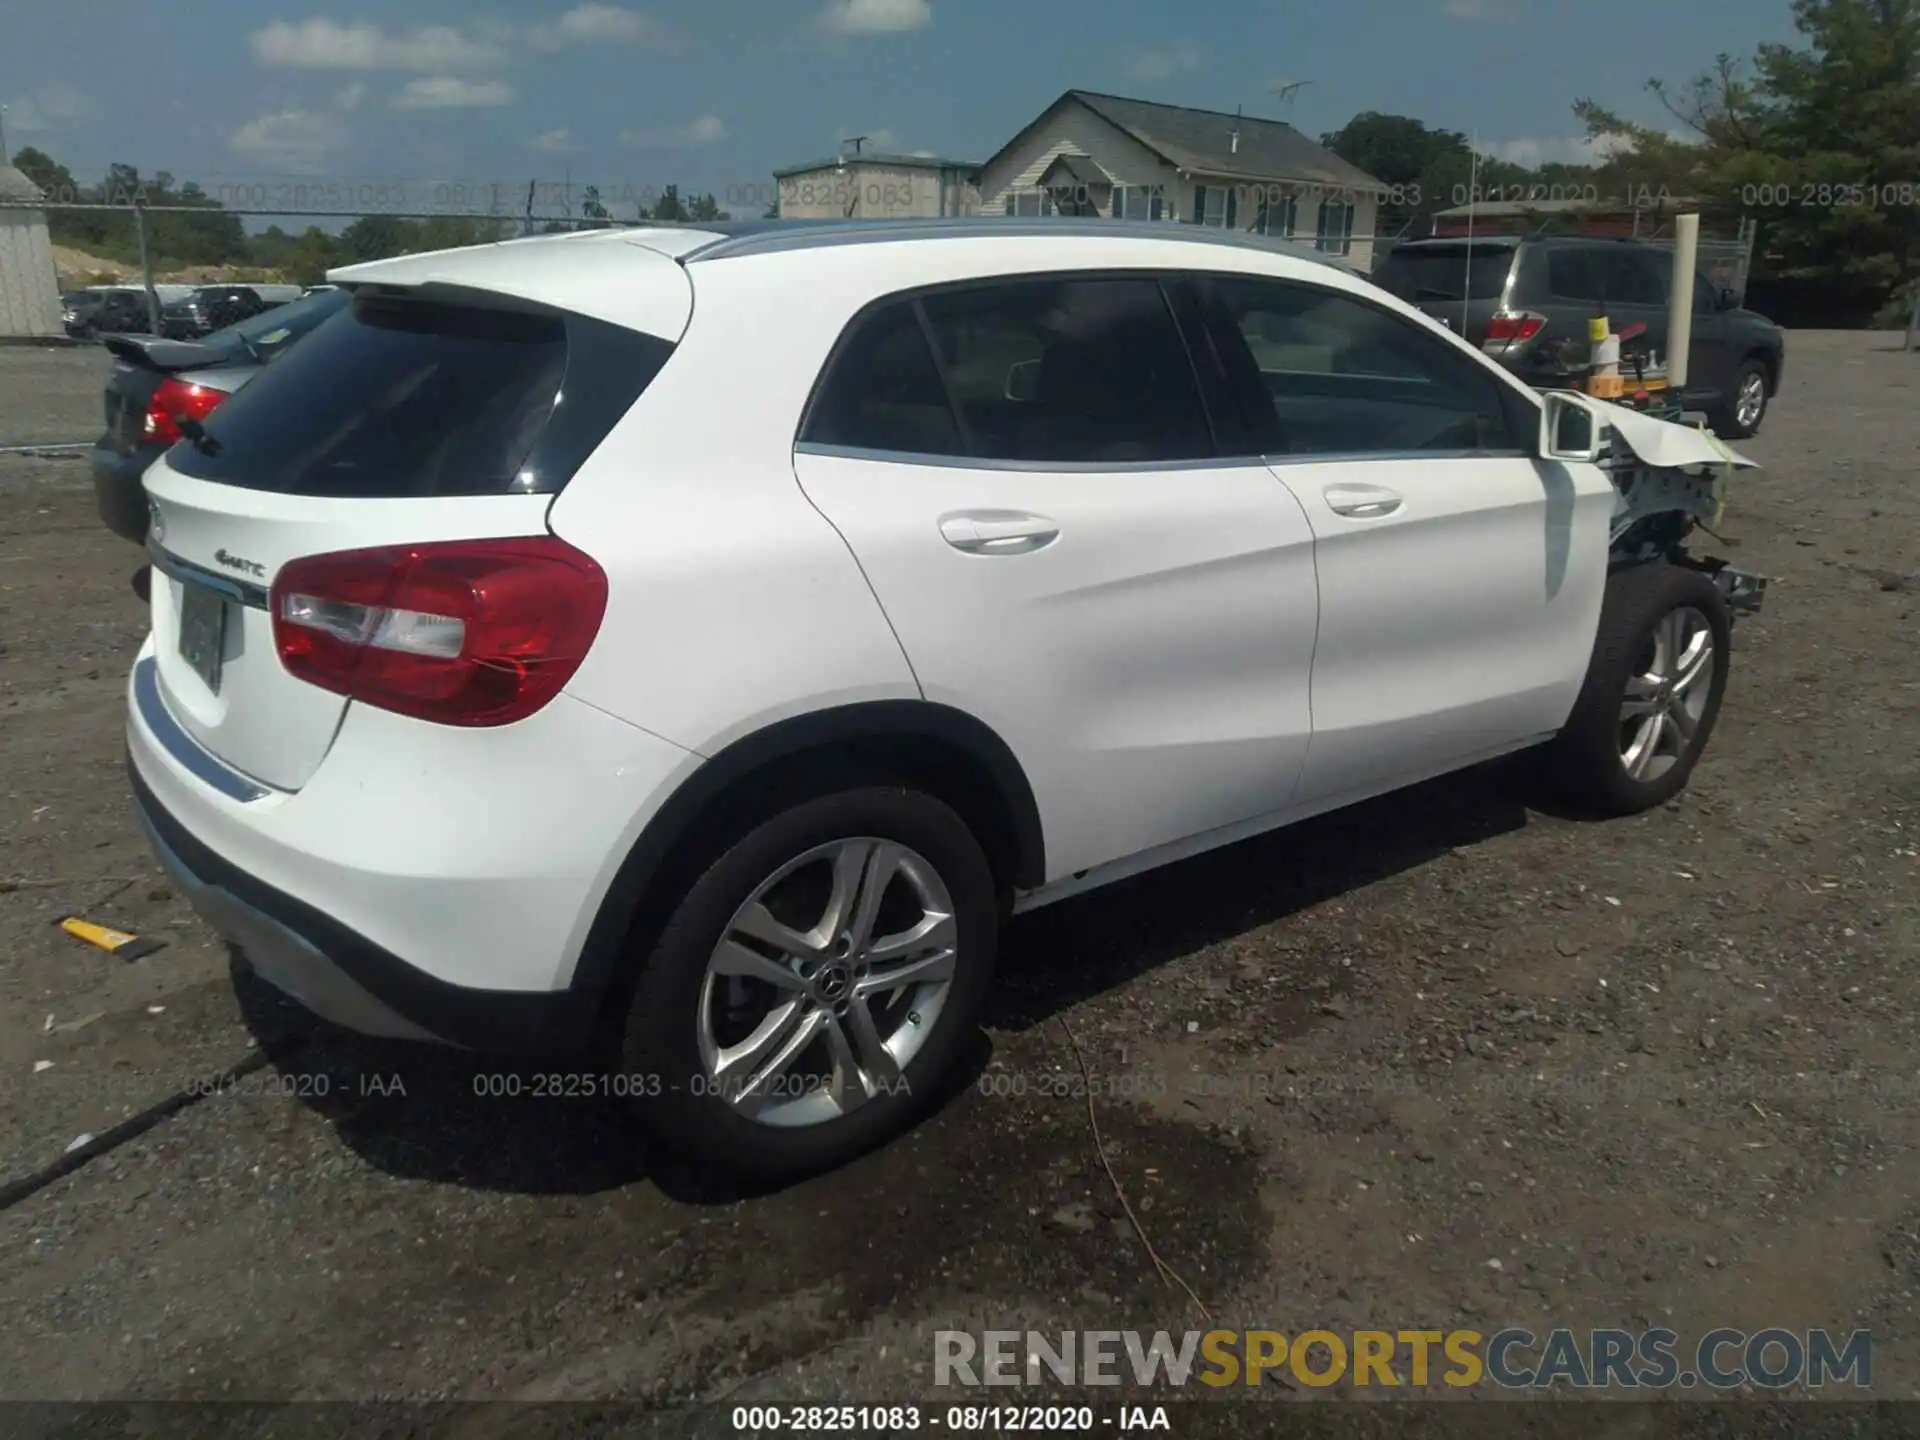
{"points": [[1361, 502], [998, 532]]}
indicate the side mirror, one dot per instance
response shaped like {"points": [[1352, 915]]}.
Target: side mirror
{"points": [[1023, 381], [1569, 429]]}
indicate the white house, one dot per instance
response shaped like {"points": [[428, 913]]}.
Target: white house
{"points": [[29, 286], [878, 187], [1093, 154]]}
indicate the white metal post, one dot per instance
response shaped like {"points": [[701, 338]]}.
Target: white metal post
{"points": [[1686, 250]]}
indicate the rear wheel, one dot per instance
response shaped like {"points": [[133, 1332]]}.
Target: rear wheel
{"points": [[1739, 416], [815, 984], [1652, 692]]}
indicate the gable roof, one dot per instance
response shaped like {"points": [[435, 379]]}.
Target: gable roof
{"points": [[1201, 141]]}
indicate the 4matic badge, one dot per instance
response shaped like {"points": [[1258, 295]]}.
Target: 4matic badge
{"points": [[235, 562]]}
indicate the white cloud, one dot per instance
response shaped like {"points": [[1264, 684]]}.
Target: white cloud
{"points": [[295, 140], [706, 130], [1484, 10], [329, 45], [876, 17], [595, 24], [1164, 62], [1533, 152], [554, 142], [450, 92], [48, 108], [350, 98]]}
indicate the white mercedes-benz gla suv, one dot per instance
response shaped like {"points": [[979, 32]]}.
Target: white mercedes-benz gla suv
{"points": [[700, 638]]}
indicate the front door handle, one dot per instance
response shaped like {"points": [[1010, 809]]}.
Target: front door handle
{"points": [[998, 532], [1361, 502]]}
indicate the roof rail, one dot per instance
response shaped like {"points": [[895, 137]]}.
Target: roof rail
{"points": [[779, 236]]}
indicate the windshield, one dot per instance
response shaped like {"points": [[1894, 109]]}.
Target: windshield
{"points": [[1447, 272]]}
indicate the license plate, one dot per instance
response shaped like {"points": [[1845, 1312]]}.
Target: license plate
{"points": [[203, 632]]}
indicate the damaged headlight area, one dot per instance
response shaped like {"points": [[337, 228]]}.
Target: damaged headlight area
{"points": [[1672, 479]]}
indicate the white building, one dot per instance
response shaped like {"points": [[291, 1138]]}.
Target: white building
{"points": [[878, 187], [29, 285], [1093, 154]]}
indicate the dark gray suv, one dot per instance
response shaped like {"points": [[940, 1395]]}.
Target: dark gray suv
{"points": [[1526, 301]]}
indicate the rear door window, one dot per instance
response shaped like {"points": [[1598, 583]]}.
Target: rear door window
{"points": [[1634, 276], [1446, 272], [1080, 371], [395, 396], [884, 392], [1574, 274]]}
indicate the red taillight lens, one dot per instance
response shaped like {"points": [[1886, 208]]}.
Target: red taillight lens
{"points": [[466, 632], [1509, 327], [173, 398]]}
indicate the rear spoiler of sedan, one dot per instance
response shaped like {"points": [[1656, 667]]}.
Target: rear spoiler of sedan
{"points": [[151, 352]]}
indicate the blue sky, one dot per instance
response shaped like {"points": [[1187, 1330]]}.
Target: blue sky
{"points": [[715, 94]]}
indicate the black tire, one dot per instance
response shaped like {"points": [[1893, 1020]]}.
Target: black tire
{"points": [[1725, 417], [1584, 762], [661, 1054]]}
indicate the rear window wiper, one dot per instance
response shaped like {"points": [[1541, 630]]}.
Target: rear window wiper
{"points": [[197, 435]]}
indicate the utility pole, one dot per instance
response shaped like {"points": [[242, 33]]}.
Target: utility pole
{"points": [[856, 141], [146, 264], [3, 136]]}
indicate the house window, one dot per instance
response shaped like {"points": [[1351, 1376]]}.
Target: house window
{"points": [[1279, 215], [1139, 202], [1215, 205], [1336, 227], [1033, 203]]}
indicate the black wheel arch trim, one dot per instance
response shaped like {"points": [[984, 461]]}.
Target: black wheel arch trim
{"points": [[599, 967]]}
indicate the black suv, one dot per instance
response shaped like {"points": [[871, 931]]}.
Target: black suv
{"points": [[210, 308], [1526, 301]]}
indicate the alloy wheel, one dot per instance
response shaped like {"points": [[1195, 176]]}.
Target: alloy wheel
{"points": [[827, 982], [1666, 695]]}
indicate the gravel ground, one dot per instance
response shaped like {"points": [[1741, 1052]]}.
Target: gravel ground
{"points": [[1661, 1071]]}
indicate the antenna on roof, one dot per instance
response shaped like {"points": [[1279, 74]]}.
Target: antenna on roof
{"points": [[1288, 91]]}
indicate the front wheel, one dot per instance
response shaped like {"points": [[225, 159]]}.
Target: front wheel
{"points": [[815, 985], [1739, 416], [1652, 692]]}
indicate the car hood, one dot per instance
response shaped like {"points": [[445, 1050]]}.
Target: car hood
{"points": [[1665, 445]]}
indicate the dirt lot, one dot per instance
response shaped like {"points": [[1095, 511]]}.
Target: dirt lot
{"points": [[1661, 1071]]}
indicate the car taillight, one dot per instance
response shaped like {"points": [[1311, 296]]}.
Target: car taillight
{"points": [[172, 399], [1510, 327], [467, 632]]}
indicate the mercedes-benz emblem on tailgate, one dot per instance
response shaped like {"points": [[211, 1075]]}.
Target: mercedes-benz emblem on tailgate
{"points": [[156, 523]]}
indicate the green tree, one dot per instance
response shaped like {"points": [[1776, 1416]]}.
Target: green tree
{"points": [[1429, 170], [706, 207], [1820, 141], [669, 207], [593, 213], [373, 237]]}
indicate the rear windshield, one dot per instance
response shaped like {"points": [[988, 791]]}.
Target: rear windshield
{"points": [[262, 337], [395, 397], [1446, 272]]}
